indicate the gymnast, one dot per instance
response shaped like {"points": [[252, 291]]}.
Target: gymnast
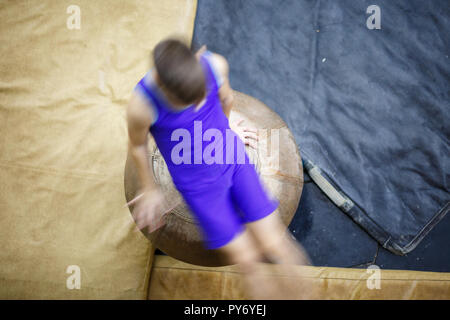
{"points": [[234, 211]]}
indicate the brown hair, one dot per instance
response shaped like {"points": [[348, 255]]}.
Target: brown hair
{"points": [[179, 70]]}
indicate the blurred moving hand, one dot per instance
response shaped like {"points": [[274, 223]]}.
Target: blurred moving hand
{"points": [[248, 135], [149, 210]]}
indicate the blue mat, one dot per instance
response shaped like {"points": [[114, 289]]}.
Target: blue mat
{"points": [[369, 108]]}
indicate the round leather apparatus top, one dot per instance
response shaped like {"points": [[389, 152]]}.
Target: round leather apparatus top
{"points": [[276, 159]]}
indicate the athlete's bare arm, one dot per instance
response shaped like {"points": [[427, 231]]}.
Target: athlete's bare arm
{"points": [[139, 118], [225, 91], [248, 135], [149, 208]]}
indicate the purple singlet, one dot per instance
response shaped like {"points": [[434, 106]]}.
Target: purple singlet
{"points": [[207, 161]]}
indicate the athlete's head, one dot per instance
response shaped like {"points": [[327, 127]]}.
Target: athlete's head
{"points": [[179, 73]]}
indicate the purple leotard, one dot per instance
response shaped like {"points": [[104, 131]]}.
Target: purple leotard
{"points": [[213, 174]]}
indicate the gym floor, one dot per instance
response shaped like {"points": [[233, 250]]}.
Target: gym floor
{"points": [[330, 237]]}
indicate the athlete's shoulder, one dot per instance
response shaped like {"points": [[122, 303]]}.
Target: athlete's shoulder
{"points": [[138, 111], [218, 64], [218, 61]]}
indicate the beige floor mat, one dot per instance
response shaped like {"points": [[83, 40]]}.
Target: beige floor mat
{"points": [[173, 279], [63, 143]]}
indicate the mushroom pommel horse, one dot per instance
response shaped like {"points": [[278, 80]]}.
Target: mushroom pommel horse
{"points": [[276, 159]]}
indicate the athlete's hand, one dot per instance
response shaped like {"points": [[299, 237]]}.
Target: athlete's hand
{"points": [[248, 135], [150, 209]]}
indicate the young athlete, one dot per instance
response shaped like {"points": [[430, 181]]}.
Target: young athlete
{"points": [[187, 96]]}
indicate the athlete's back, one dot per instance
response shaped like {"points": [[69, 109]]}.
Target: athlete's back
{"points": [[196, 141]]}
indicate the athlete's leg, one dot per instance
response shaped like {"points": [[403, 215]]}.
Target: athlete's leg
{"points": [[276, 242], [243, 252], [262, 219]]}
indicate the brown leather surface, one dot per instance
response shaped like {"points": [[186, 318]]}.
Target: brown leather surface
{"points": [[173, 279], [63, 144], [281, 174]]}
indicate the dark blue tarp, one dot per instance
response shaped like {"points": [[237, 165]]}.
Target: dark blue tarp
{"points": [[370, 108]]}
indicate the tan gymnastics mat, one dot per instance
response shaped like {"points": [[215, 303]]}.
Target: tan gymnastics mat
{"points": [[63, 143], [174, 279]]}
